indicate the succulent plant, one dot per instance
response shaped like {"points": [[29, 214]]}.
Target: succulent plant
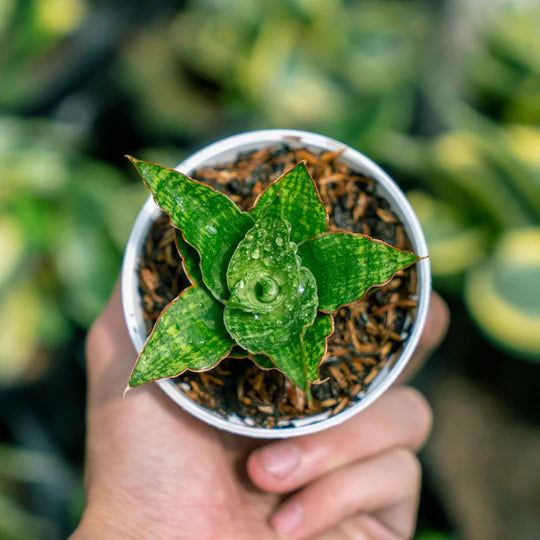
{"points": [[265, 283]]}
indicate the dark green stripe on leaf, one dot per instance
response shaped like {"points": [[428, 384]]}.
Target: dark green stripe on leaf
{"points": [[238, 353], [346, 265], [300, 203], [262, 361], [189, 334], [190, 258], [300, 358], [314, 343], [209, 220]]}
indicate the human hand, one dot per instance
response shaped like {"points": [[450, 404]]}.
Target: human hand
{"points": [[153, 471]]}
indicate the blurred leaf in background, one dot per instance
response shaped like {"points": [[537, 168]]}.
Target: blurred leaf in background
{"points": [[344, 69], [481, 173], [64, 221], [31, 34]]}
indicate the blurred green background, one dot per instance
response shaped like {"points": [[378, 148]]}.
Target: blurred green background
{"points": [[443, 94]]}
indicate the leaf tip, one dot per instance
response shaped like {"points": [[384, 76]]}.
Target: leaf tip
{"points": [[126, 390]]}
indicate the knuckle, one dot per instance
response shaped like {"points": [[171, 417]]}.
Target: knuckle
{"points": [[408, 467], [419, 413]]}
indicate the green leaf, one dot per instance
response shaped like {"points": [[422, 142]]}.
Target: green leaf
{"points": [[300, 203], [188, 335], [238, 352], [346, 265], [300, 358], [272, 298], [209, 221], [262, 361], [190, 259], [502, 293], [314, 343]]}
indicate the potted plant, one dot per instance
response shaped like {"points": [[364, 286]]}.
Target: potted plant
{"points": [[266, 284]]}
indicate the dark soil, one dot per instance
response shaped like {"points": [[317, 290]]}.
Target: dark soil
{"points": [[367, 334]]}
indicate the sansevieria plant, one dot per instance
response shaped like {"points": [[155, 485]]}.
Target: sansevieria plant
{"points": [[264, 284]]}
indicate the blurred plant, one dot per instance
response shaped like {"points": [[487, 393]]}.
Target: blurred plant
{"points": [[346, 69], [482, 213], [62, 230], [31, 33], [20, 469]]}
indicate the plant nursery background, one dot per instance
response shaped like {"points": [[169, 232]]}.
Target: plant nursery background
{"points": [[444, 94]]}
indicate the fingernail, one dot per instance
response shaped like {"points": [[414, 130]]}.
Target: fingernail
{"points": [[280, 459], [286, 519]]}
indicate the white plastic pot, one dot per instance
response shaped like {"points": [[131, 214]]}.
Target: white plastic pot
{"points": [[225, 151]]}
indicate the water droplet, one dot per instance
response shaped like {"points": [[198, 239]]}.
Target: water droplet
{"points": [[255, 316], [267, 261], [256, 253], [279, 241], [211, 230], [300, 289]]}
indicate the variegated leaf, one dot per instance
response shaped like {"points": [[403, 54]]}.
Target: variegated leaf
{"points": [[272, 297], [190, 259], [262, 361], [189, 334], [300, 358], [301, 206], [209, 221], [346, 265]]}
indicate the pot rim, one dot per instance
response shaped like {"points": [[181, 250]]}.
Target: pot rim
{"points": [[222, 151]]}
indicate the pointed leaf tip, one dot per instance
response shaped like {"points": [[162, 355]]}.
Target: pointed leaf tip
{"points": [[301, 204], [209, 221], [346, 265], [189, 335]]}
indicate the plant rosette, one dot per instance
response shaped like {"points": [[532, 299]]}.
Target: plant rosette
{"points": [[264, 283]]}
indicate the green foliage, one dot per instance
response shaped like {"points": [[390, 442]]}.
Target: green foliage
{"points": [[64, 221], [210, 222], [269, 272], [189, 335], [300, 204], [346, 265], [502, 292]]}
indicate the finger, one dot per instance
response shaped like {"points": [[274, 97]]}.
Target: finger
{"points": [[108, 337], [435, 329], [110, 355], [400, 418], [365, 526], [385, 486]]}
